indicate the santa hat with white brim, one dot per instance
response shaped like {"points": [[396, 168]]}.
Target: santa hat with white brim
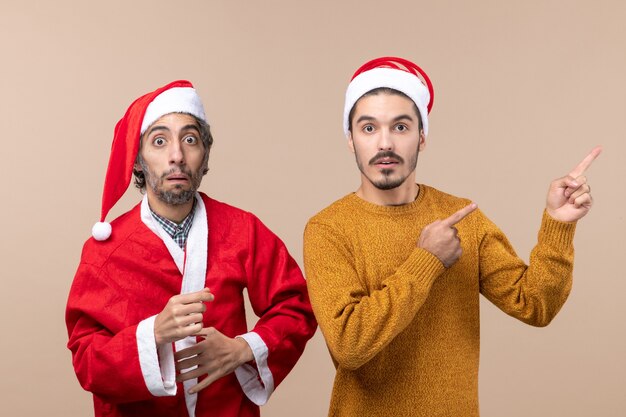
{"points": [[175, 97], [395, 73]]}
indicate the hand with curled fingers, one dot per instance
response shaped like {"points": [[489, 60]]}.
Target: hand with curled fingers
{"points": [[215, 356], [181, 317], [569, 198], [441, 237]]}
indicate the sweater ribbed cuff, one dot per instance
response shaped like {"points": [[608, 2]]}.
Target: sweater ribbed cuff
{"points": [[556, 233], [422, 266]]}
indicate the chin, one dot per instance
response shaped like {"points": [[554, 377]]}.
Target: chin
{"points": [[387, 183], [178, 189], [386, 187]]}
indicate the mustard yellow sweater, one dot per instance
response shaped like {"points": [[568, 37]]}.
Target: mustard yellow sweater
{"points": [[402, 330]]}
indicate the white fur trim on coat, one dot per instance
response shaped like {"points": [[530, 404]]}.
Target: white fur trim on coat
{"points": [[257, 391], [159, 376], [192, 267]]}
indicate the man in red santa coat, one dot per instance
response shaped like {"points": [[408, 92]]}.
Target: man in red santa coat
{"points": [[155, 314]]}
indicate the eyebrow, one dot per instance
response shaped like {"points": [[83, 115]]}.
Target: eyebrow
{"points": [[189, 127], [395, 119], [154, 128]]}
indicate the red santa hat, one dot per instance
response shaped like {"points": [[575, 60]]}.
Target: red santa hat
{"points": [[390, 72], [175, 97]]}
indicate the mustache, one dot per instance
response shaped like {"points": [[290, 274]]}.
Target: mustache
{"points": [[386, 154], [187, 172]]}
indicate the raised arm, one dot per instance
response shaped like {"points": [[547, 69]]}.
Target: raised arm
{"points": [[535, 293]]}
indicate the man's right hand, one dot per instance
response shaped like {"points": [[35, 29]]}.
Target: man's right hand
{"points": [[440, 237], [181, 317]]}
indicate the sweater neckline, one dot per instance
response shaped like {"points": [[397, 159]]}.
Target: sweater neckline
{"points": [[389, 210]]}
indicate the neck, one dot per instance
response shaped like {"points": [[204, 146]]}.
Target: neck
{"points": [[404, 194], [175, 213]]}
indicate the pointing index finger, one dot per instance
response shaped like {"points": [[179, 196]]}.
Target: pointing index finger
{"points": [[586, 163], [459, 215]]}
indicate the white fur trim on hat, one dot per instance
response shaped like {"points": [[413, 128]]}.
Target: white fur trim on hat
{"points": [[400, 80], [174, 100]]}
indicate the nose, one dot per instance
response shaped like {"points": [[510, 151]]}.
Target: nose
{"points": [[176, 154], [384, 140]]}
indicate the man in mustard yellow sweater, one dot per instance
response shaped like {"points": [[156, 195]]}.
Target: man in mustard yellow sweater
{"points": [[395, 269]]}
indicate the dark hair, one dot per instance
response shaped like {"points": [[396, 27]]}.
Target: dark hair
{"points": [[385, 90], [207, 142]]}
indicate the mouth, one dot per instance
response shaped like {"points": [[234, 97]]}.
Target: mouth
{"points": [[386, 162], [177, 177]]}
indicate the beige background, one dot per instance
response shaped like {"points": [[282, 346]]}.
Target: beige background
{"points": [[523, 91]]}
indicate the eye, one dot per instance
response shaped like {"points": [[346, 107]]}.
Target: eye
{"points": [[158, 141], [401, 127], [190, 140], [368, 129]]}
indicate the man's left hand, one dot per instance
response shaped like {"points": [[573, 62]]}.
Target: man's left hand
{"points": [[569, 198], [215, 356]]}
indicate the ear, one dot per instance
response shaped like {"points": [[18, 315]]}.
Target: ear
{"points": [[205, 170], [350, 142], [422, 143], [137, 165]]}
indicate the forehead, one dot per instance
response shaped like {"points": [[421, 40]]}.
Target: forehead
{"points": [[384, 103]]}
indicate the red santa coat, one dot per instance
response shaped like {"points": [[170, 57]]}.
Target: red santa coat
{"points": [[123, 282]]}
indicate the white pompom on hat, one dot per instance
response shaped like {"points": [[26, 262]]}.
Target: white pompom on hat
{"points": [[390, 72], [175, 97]]}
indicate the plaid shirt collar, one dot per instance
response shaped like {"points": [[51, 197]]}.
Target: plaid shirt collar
{"points": [[178, 231]]}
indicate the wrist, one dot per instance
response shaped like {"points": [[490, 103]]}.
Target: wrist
{"points": [[158, 339], [560, 217], [552, 214], [245, 352]]}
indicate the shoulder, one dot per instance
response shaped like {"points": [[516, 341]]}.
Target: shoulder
{"points": [[337, 223], [232, 223], [124, 228], [336, 213], [223, 214]]}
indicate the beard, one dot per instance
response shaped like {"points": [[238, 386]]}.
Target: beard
{"points": [[388, 180], [178, 195]]}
